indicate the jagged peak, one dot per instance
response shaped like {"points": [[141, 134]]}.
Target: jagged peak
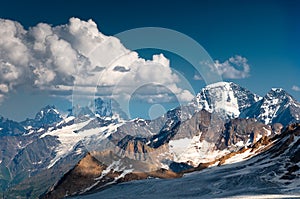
{"points": [[277, 89], [278, 93], [47, 109], [226, 86]]}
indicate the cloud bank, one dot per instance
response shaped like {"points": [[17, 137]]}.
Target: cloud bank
{"points": [[77, 55], [57, 58]]}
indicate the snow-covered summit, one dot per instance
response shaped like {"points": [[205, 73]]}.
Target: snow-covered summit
{"points": [[225, 97], [277, 106], [47, 116]]}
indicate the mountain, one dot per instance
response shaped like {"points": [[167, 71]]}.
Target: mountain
{"points": [[276, 107], [226, 98], [96, 146], [10, 127], [178, 148], [100, 108], [179, 140], [272, 173], [47, 116], [103, 108]]}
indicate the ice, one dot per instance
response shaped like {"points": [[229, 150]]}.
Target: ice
{"points": [[194, 151], [240, 144], [178, 147], [221, 97], [40, 130], [239, 157], [68, 139]]}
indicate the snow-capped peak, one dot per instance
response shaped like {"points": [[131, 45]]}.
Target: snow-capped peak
{"points": [[274, 103], [277, 89], [278, 93], [219, 84], [276, 107], [47, 116], [47, 111], [226, 98]]}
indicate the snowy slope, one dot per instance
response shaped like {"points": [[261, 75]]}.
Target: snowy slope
{"points": [[272, 173], [70, 135], [276, 107]]}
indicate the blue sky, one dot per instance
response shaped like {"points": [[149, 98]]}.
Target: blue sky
{"points": [[266, 33]]}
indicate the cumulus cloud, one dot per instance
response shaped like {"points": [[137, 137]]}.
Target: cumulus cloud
{"points": [[236, 67], [57, 58], [296, 88]]}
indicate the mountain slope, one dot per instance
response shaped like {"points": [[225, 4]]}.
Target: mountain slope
{"points": [[274, 173], [276, 107], [188, 146], [10, 127]]}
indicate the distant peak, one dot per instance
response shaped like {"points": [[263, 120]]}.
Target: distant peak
{"points": [[49, 109], [278, 93], [277, 90]]}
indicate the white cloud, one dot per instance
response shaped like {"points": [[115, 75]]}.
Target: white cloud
{"points": [[44, 76], [236, 67], [13, 50], [197, 77], [3, 88], [296, 88], [56, 58]]}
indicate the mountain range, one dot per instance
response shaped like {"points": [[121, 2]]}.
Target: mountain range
{"points": [[86, 151]]}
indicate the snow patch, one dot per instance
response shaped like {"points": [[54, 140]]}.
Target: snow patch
{"points": [[240, 157], [192, 150], [40, 130]]}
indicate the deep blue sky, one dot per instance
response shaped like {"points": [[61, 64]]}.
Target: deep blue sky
{"points": [[267, 33]]}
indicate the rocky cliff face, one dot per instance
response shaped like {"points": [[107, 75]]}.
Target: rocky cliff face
{"points": [[243, 132], [91, 175]]}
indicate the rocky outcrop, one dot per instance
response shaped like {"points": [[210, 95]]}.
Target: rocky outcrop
{"points": [[90, 175], [239, 132]]}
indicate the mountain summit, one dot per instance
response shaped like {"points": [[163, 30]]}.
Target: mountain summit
{"points": [[45, 117], [225, 97], [276, 107]]}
